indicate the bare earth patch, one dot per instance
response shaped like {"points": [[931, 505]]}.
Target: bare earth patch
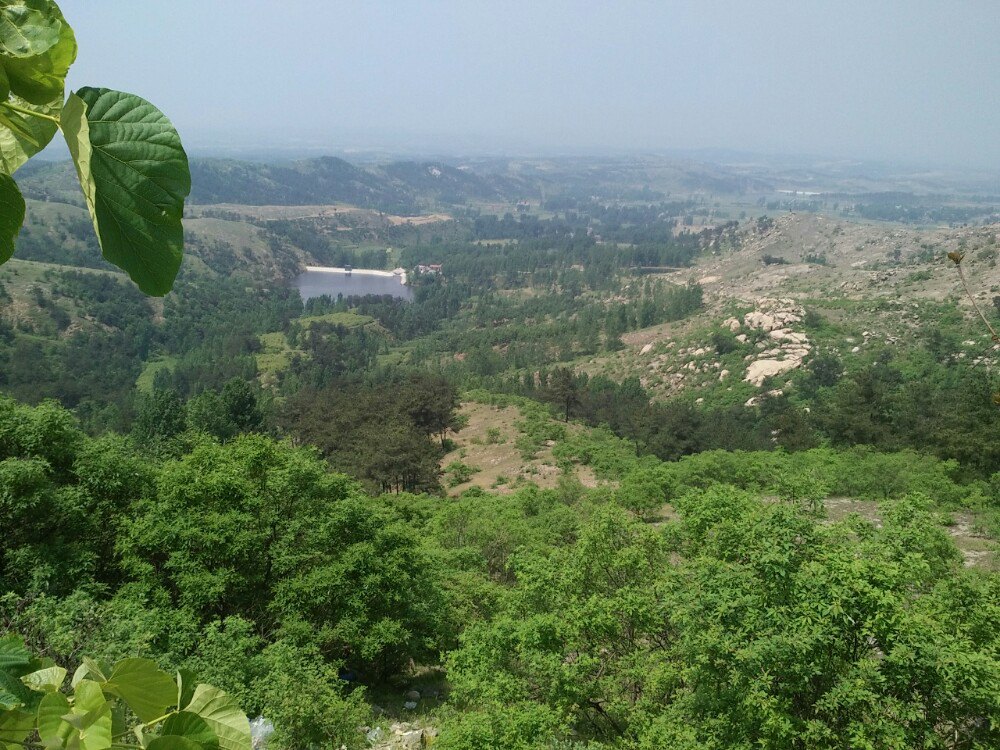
{"points": [[978, 550], [489, 444]]}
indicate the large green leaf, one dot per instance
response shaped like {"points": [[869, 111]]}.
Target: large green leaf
{"points": [[186, 683], [192, 727], [11, 216], [16, 661], [50, 679], [223, 715], [90, 668], [13, 692], [28, 28], [88, 697], [172, 742], [53, 730], [90, 716], [15, 726], [41, 78], [13, 652], [147, 689], [134, 174], [23, 136]]}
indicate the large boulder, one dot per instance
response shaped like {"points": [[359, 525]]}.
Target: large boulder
{"points": [[762, 369], [760, 320]]}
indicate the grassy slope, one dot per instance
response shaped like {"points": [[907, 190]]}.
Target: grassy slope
{"points": [[490, 444]]}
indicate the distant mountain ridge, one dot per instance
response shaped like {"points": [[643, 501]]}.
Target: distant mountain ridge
{"points": [[397, 187]]}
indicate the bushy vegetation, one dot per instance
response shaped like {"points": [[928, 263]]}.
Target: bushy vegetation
{"points": [[250, 488], [741, 621]]}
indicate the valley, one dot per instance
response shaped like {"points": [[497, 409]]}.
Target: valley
{"points": [[629, 433]]}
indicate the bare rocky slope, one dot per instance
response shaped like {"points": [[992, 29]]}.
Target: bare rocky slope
{"points": [[857, 286]]}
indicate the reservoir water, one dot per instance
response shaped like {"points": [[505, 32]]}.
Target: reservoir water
{"points": [[316, 281]]}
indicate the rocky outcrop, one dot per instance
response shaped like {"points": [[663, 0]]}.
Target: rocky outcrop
{"points": [[401, 736], [776, 318], [762, 369]]}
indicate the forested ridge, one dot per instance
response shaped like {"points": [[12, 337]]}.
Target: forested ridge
{"points": [[253, 488]]}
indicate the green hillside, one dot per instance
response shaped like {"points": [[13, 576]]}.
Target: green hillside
{"points": [[625, 473]]}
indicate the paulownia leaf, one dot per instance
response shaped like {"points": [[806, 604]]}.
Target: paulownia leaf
{"points": [[90, 668], [88, 697], [50, 679], [13, 652], [13, 692], [224, 717], [15, 726], [21, 136], [186, 683], [172, 742], [90, 716], [28, 28], [134, 174], [41, 79], [191, 727], [53, 730], [11, 219], [147, 689]]}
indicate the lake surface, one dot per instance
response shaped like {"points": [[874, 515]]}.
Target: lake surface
{"points": [[315, 282]]}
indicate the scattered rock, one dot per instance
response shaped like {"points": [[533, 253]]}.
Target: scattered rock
{"points": [[402, 736], [759, 320], [412, 740], [413, 695], [646, 349], [763, 369], [783, 334]]}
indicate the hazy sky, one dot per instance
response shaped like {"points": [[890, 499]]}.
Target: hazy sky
{"points": [[912, 79]]}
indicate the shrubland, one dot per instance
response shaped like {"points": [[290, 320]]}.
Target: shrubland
{"points": [[741, 618], [241, 485]]}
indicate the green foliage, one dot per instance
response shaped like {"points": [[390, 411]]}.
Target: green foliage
{"points": [[381, 433], [160, 417], [559, 615], [501, 726], [129, 159], [459, 473], [135, 177], [304, 696], [11, 215], [537, 427], [767, 630], [35, 713], [225, 414]]}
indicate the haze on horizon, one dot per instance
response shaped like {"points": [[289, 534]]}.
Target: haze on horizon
{"points": [[915, 81]]}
